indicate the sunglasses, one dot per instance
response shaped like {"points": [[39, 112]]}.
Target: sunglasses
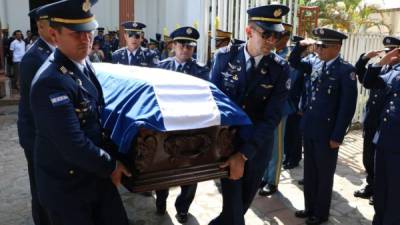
{"points": [[323, 45], [134, 34], [268, 34]]}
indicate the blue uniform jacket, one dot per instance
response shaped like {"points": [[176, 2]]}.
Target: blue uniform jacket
{"points": [[69, 162], [389, 123], [330, 98], [143, 57], [261, 94], [376, 98], [29, 65], [191, 67]]}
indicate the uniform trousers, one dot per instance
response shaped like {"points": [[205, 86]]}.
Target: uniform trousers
{"points": [[319, 169], [387, 187], [238, 195], [106, 209]]}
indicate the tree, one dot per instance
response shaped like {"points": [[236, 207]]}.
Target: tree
{"points": [[347, 15]]}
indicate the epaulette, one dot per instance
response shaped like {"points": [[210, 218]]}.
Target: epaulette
{"points": [[281, 61], [63, 69], [200, 64], [166, 60]]}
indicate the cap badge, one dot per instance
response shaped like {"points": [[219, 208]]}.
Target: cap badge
{"points": [[387, 41], [134, 24], [189, 31], [278, 12], [321, 31], [86, 6]]}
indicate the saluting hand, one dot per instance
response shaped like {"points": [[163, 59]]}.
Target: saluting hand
{"points": [[307, 42], [236, 166], [372, 54], [118, 172], [391, 58]]}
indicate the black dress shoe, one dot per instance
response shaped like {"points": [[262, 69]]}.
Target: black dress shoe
{"points": [[302, 214], [182, 217], [313, 220], [301, 182], [364, 193], [161, 208], [262, 184], [267, 190], [371, 200], [289, 166]]}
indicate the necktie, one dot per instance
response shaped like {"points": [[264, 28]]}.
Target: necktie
{"points": [[86, 72], [132, 58], [251, 67], [324, 68], [179, 69]]}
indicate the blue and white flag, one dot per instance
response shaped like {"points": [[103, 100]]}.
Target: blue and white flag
{"points": [[160, 100]]}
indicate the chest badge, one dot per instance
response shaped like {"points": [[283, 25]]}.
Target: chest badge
{"points": [[264, 71]]}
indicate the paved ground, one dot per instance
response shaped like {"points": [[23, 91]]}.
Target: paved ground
{"points": [[278, 209]]}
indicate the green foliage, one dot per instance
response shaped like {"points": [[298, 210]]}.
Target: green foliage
{"points": [[347, 15]]}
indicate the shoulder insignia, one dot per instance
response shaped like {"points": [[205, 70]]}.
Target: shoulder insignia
{"points": [[59, 99], [63, 69]]}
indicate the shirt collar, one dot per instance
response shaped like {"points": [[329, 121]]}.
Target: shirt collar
{"points": [[247, 56], [79, 65], [177, 63], [133, 52], [328, 63], [52, 47]]}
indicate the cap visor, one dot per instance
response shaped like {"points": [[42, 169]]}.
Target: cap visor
{"points": [[90, 26], [185, 41], [277, 27]]}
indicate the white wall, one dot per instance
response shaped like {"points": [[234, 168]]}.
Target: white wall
{"points": [[157, 14], [14, 15], [107, 14]]}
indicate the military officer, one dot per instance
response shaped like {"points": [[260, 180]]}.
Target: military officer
{"points": [[371, 117], [184, 39], [75, 177], [387, 157], [293, 140], [255, 78], [133, 53], [30, 64], [153, 46], [330, 102], [272, 172], [114, 40], [100, 35]]}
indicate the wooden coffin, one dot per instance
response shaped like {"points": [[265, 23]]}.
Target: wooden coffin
{"points": [[160, 160]]}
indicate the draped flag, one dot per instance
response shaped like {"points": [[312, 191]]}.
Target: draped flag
{"points": [[160, 100]]}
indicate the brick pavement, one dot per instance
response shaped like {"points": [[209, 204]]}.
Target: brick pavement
{"points": [[278, 209]]}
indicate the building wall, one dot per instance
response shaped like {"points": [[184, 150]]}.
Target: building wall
{"points": [[14, 14], [160, 14]]}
